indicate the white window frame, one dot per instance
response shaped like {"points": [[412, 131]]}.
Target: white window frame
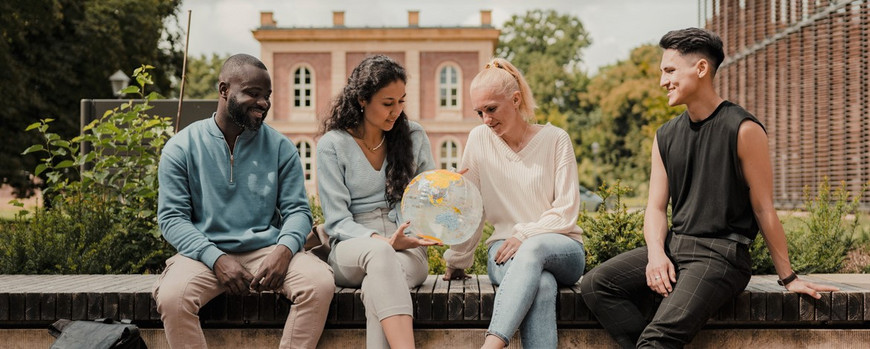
{"points": [[449, 161], [302, 87], [306, 157], [444, 89]]}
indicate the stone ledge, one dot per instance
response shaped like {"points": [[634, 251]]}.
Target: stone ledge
{"points": [[34, 301], [234, 338]]}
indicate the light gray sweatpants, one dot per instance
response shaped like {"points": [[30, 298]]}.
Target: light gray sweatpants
{"points": [[385, 275]]}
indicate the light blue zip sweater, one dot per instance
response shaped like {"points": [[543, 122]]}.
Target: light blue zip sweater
{"points": [[213, 202]]}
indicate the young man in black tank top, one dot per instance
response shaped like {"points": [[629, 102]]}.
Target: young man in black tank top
{"points": [[712, 163]]}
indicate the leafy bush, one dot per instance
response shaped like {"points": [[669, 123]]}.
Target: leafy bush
{"points": [[437, 264], [316, 210], [820, 244], [608, 233], [101, 215]]}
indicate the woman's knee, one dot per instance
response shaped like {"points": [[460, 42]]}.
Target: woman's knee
{"points": [[381, 258], [547, 284]]}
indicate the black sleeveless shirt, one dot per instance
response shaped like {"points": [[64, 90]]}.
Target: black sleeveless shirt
{"points": [[709, 196]]}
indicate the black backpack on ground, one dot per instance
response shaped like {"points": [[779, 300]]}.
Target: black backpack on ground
{"points": [[97, 334]]}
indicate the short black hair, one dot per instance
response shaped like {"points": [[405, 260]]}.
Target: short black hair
{"points": [[239, 60], [695, 41]]}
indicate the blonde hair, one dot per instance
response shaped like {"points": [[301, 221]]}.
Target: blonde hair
{"points": [[504, 78]]}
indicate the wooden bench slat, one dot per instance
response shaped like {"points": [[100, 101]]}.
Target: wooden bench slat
{"points": [[63, 306], [126, 305], [855, 306], [565, 303], [32, 301], [359, 309], [866, 306], [344, 296], [110, 305], [424, 299], [4, 306], [437, 303], [142, 308], [823, 306], [455, 299], [439, 299], [235, 308], [791, 308], [581, 311], [487, 297], [471, 299], [774, 306], [807, 306], [250, 307]]}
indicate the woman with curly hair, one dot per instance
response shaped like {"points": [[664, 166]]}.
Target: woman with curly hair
{"points": [[367, 155]]}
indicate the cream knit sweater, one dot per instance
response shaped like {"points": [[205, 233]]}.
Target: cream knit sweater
{"points": [[526, 193]]}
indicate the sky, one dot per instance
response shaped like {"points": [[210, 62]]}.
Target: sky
{"points": [[616, 26]]}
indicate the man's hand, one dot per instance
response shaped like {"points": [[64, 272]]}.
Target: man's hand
{"points": [[455, 274], [660, 273], [806, 287], [232, 275], [273, 270]]}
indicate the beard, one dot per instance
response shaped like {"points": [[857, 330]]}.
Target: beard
{"points": [[241, 119]]}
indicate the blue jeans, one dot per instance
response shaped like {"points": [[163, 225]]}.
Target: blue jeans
{"points": [[528, 286]]}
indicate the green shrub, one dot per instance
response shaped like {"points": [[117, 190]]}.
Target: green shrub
{"points": [[608, 233], [316, 210], [101, 215], [820, 243], [827, 234], [437, 265]]}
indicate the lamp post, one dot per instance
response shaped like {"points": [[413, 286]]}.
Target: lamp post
{"points": [[119, 81], [595, 147]]}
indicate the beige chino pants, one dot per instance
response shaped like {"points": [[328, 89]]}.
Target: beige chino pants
{"points": [[186, 285], [384, 274]]}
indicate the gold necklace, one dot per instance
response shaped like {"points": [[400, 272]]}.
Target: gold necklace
{"points": [[383, 137]]}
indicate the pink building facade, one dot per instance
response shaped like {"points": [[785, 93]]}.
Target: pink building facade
{"points": [[310, 66]]}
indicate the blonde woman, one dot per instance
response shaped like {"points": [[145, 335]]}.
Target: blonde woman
{"points": [[527, 175]]}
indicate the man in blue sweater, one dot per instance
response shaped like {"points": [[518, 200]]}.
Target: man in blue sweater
{"points": [[233, 203]]}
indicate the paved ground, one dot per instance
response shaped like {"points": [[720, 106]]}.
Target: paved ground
{"points": [[8, 210]]}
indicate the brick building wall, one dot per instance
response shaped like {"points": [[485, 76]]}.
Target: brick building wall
{"points": [[803, 68], [329, 55]]}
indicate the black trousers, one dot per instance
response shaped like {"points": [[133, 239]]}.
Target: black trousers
{"points": [[710, 271]]}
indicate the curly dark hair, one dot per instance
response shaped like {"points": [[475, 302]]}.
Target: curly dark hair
{"points": [[369, 77]]}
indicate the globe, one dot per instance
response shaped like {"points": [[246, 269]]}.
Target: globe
{"points": [[443, 205]]}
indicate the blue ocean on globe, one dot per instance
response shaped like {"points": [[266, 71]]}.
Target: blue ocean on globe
{"points": [[444, 205]]}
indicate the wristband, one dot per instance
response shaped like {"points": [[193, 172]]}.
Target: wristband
{"points": [[787, 280]]}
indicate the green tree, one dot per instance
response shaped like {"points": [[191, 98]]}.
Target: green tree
{"points": [[625, 107], [202, 76], [547, 47], [56, 52]]}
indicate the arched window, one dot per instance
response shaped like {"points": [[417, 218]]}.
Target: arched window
{"points": [[303, 84], [305, 157], [448, 87], [449, 155]]}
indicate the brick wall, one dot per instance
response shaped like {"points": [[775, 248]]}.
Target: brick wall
{"points": [[802, 68]]}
